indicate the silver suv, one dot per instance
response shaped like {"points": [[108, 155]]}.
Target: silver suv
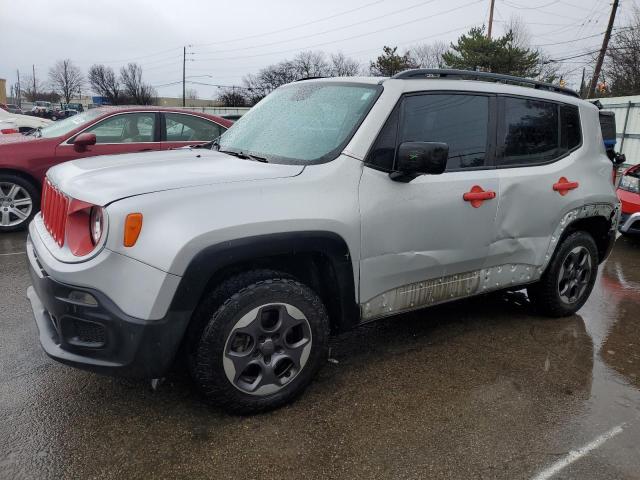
{"points": [[332, 203]]}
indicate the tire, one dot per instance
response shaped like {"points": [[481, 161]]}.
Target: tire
{"points": [[19, 202], [568, 281], [260, 348]]}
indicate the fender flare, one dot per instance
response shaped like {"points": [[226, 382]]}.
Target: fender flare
{"points": [[204, 266]]}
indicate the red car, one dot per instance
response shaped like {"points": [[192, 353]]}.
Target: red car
{"points": [[629, 195], [24, 159]]}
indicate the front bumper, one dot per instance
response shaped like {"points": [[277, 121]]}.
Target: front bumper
{"points": [[83, 328], [630, 223]]}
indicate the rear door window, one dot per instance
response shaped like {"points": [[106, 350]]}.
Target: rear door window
{"points": [[529, 133], [190, 128]]}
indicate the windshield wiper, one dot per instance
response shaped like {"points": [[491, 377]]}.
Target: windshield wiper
{"points": [[245, 156], [208, 145], [36, 132]]}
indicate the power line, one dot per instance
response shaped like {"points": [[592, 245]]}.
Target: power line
{"points": [[258, 35], [343, 39], [395, 12]]}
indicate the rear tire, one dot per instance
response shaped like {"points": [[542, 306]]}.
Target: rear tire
{"points": [[261, 348], [19, 202], [568, 281]]}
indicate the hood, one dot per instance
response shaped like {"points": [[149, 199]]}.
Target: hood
{"points": [[104, 179], [14, 138], [24, 120]]}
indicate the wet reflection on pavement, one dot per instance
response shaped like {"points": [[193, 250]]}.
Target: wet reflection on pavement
{"points": [[478, 389]]}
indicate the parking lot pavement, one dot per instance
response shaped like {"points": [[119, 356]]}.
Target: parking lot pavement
{"points": [[479, 389]]}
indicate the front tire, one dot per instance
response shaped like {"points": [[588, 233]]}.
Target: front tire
{"points": [[19, 202], [262, 346], [568, 281]]}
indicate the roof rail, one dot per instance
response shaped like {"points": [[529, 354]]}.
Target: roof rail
{"points": [[421, 73], [307, 78]]}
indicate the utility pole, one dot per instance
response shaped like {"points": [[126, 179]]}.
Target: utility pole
{"points": [[493, 3], [184, 64], [19, 93], [603, 50], [582, 83], [34, 81]]}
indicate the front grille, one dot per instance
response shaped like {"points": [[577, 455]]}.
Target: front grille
{"points": [[54, 211], [88, 334]]}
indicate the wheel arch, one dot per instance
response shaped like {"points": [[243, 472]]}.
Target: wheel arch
{"points": [[600, 229], [20, 173], [319, 259]]}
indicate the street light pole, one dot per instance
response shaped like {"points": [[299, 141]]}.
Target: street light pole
{"points": [[184, 64]]}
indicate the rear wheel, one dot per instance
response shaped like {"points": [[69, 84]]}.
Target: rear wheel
{"points": [[567, 283], [262, 346], [19, 201]]}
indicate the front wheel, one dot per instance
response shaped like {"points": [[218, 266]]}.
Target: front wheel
{"points": [[567, 283], [262, 347], [19, 201]]}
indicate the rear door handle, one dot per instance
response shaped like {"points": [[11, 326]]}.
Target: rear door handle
{"points": [[563, 186], [477, 195]]}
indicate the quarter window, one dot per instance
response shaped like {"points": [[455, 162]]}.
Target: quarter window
{"points": [[570, 132], [461, 121], [534, 132], [189, 128], [382, 155], [125, 128]]}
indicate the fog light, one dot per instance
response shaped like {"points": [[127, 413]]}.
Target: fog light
{"points": [[83, 297]]}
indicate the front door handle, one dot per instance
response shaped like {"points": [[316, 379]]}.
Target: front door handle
{"points": [[563, 186], [477, 195], [145, 150]]}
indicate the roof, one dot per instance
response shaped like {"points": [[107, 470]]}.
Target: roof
{"points": [[445, 79], [142, 108]]}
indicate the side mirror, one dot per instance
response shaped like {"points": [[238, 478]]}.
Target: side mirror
{"points": [[619, 159], [84, 140], [419, 158]]}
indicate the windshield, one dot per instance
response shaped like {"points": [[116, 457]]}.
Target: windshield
{"points": [[62, 127], [303, 122]]}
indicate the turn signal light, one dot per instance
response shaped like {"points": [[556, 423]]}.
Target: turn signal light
{"points": [[132, 228]]}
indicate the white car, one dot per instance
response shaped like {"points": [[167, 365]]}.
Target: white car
{"points": [[16, 123]]}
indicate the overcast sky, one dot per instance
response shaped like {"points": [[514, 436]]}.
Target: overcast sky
{"points": [[228, 39]]}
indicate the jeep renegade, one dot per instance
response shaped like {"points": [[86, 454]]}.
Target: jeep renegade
{"points": [[332, 203]]}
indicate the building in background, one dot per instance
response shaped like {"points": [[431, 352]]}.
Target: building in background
{"points": [[627, 111]]}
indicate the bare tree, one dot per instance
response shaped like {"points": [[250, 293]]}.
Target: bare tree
{"points": [[311, 64], [305, 64], [31, 88], [232, 97], [138, 92], [343, 66], [548, 71], [66, 79], [191, 94], [105, 83], [519, 30], [429, 55], [622, 63]]}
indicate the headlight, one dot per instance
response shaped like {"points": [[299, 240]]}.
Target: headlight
{"points": [[631, 184], [95, 224]]}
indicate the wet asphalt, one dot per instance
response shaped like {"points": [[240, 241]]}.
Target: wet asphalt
{"points": [[477, 389]]}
